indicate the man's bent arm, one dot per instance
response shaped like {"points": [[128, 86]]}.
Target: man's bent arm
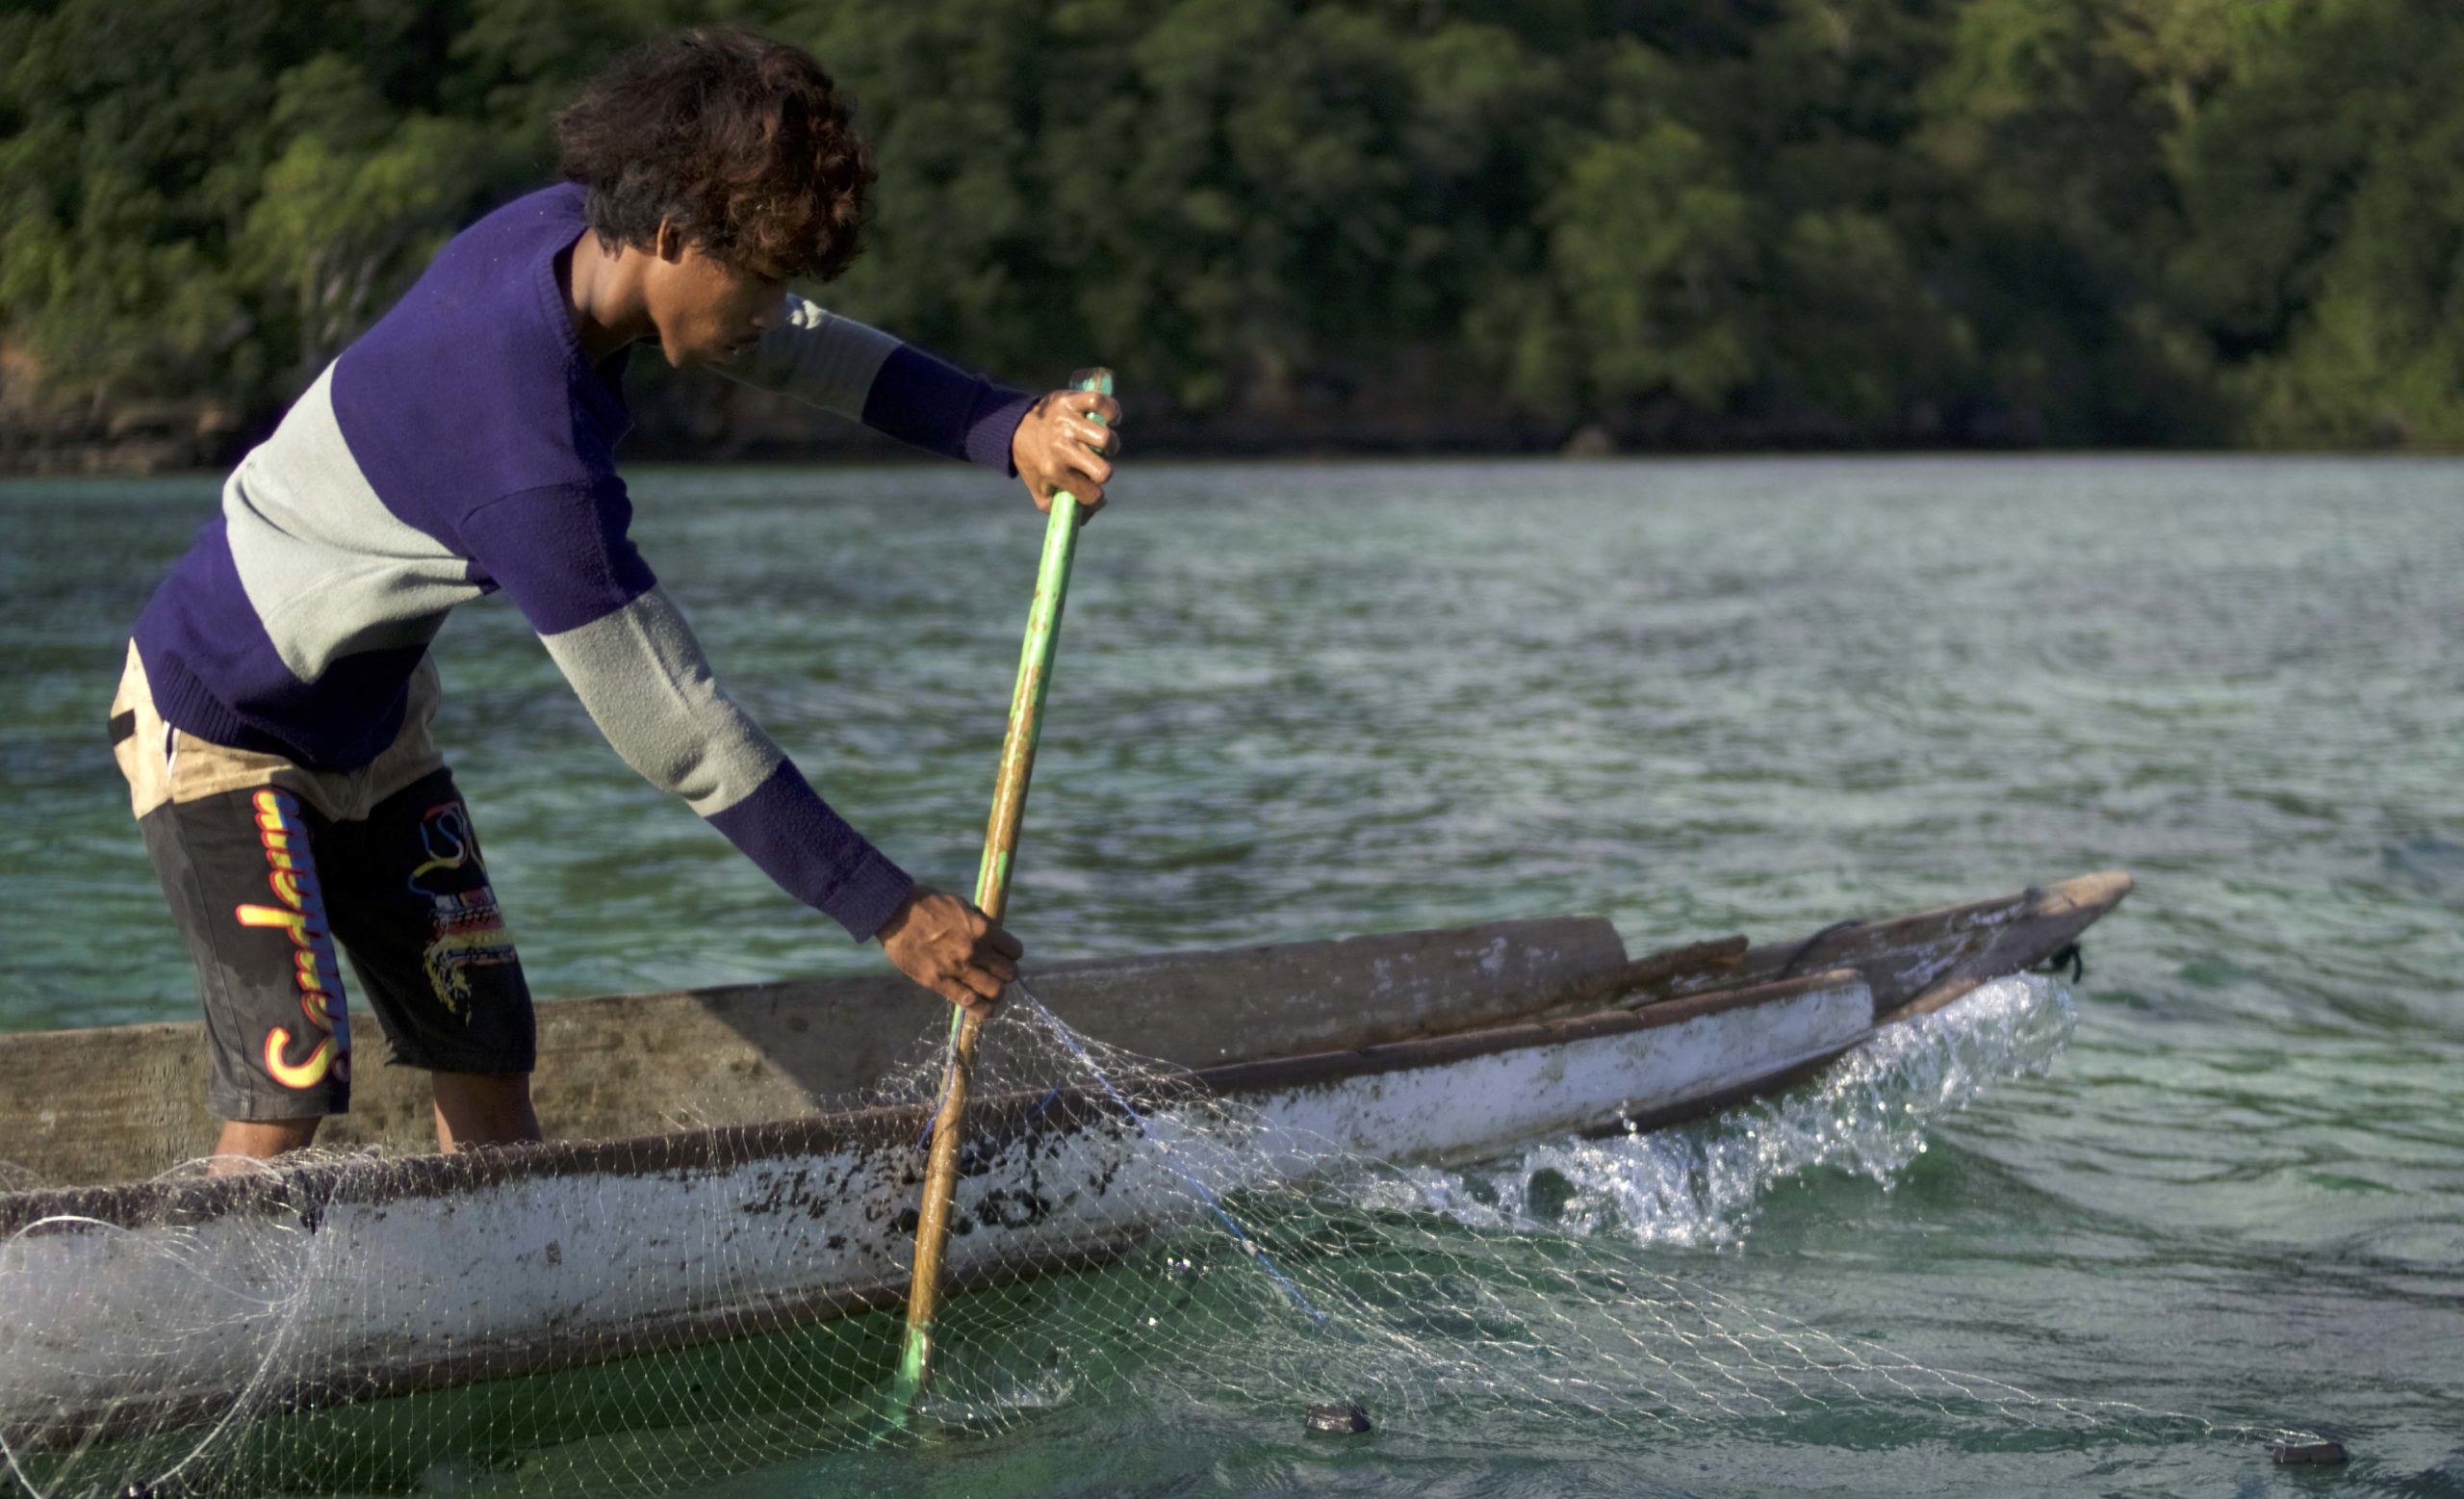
{"points": [[633, 660], [894, 388]]}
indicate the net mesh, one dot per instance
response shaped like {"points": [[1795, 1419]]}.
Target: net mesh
{"points": [[1124, 1234]]}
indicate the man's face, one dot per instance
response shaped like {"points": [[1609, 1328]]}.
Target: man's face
{"points": [[707, 311]]}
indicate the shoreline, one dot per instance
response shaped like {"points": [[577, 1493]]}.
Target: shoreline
{"points": [[157, 457]]}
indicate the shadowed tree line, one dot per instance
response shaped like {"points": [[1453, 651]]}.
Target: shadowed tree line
{"points": [[1405, 224]]}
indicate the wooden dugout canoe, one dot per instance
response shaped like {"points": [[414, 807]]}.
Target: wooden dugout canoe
{"points": [[702, 1188]]}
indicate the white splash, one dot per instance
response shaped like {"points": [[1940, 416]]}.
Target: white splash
{"points": [[1703, 1184]]}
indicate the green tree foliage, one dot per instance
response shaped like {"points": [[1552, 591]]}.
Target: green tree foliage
{"points": [[2324, 245], [357, 198], [1653, 251], [2142, 221]]}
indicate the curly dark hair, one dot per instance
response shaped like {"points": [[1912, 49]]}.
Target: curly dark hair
{"points": [[741, 142]]}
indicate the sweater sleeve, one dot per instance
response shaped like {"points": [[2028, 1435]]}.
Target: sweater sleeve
{"points": [[563, 556], [894, 388]]}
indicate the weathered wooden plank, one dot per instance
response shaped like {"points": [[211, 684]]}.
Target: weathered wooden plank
{"points": [[1927, 956], [1904, 957], [628, 1065], [643, 1064]]}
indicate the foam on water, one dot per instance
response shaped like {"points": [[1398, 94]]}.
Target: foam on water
{"points": [[1539, 1289], [1703, 1184]]}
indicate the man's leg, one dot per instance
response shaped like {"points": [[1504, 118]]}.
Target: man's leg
{"points": [[418, 919], [246, 1140], [483, 1108], [241, 874]]}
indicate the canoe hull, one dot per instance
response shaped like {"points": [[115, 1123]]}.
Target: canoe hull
{"points": [[413, 1276], [134, 1306]]}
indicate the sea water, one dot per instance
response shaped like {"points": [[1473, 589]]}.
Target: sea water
{"points": [[2221, 1177]]}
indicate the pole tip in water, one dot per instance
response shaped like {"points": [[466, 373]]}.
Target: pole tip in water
{"points": [[2307, 1455], [1338, 1420]]}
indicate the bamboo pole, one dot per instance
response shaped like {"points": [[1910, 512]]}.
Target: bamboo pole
{"points": [[992, 896]]}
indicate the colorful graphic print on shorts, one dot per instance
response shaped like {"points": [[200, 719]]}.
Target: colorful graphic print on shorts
{"points": [[465, 929]]}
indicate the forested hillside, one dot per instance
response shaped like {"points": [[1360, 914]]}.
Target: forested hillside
{"points": [[1407, 224]]}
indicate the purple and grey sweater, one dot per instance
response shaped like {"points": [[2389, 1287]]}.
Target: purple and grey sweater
{"points": [[465, 444]]}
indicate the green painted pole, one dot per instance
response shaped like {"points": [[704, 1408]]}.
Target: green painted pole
{"points": [[992, 897]]}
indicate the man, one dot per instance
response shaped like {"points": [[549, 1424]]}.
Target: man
{"points": [[272, 721]]}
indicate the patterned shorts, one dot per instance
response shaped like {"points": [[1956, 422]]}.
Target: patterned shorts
{"points": [[271, 866]]}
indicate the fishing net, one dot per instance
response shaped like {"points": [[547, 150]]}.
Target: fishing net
{"points": [[1123, 1237]]}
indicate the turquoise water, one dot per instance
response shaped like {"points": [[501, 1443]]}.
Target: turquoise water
{"points": [[1298, 699]]}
